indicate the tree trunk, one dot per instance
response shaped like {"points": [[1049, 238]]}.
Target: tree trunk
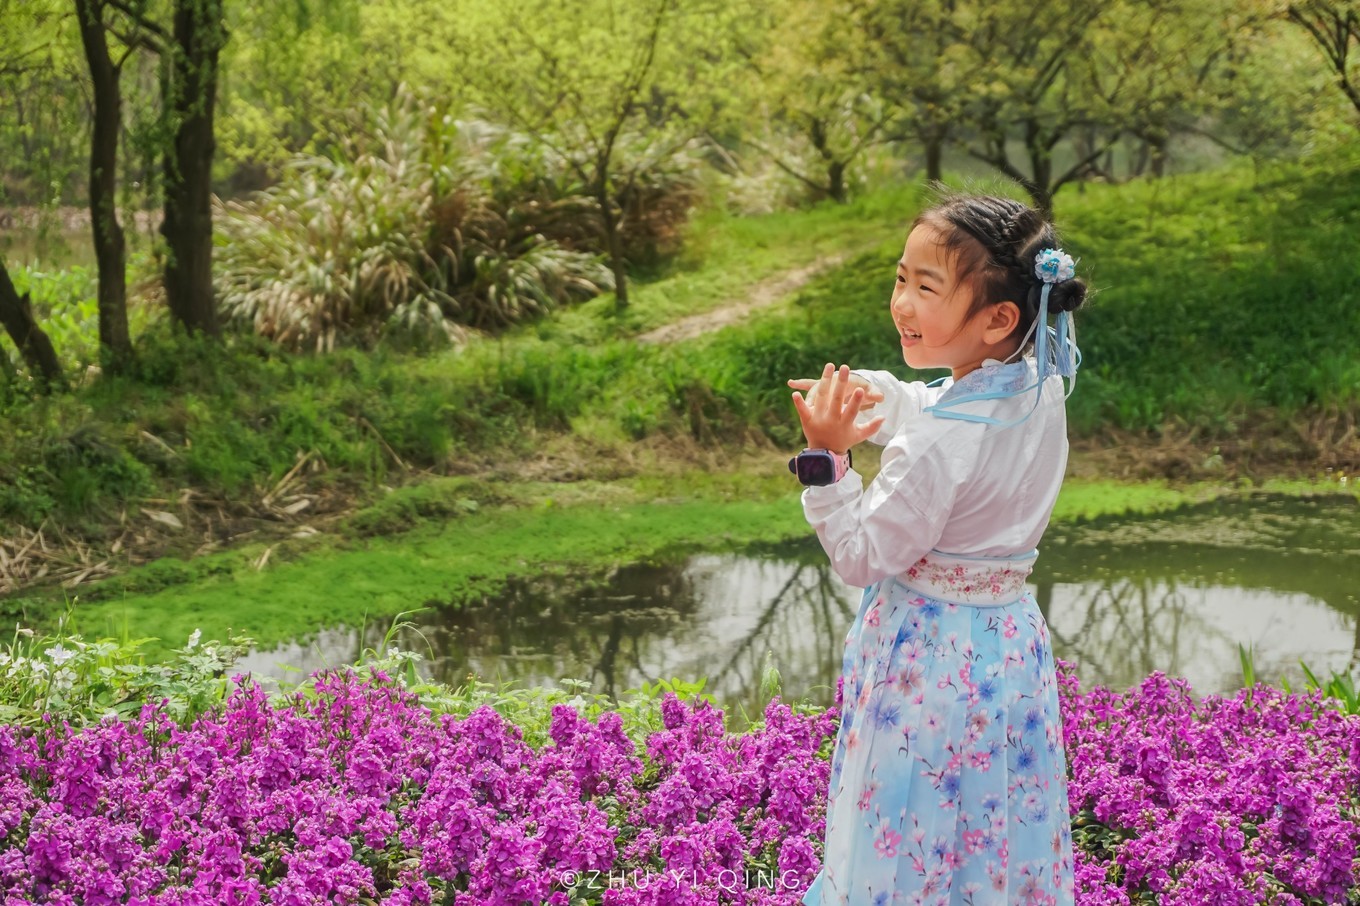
{"points": [[1040, 185], [1158, 146], [934, 144], [933, 134], [1138, 162], [16, 313], [835, 181], [1333, 27], [613, 246], [1042, 198], [1037, 183], [199, 34], [109, 245], [835, 169]]}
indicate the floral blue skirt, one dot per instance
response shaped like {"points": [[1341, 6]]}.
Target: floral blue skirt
{"points": [[948, 781]]}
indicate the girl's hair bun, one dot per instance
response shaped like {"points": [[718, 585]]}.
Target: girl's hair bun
{"points": [[1067, 296], [995, 242]]}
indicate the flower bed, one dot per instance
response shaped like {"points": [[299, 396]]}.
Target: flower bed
{"points": [[353, 790], [1234, 800]]}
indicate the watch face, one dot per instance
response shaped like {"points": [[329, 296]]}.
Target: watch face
{"points": [[816, 469]]}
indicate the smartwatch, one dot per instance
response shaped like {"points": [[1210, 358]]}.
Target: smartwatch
{"points": [[820, 467]]}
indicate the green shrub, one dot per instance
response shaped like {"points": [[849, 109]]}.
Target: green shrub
{"points": [[68, 472], [82, 683], [63, 677], [65, 305], [401, 240]]}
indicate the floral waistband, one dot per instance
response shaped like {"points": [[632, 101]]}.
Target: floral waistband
{"points": [[979, 581]]}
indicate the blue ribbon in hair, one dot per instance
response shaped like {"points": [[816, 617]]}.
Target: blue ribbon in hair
{"points": [[1055, 348]]}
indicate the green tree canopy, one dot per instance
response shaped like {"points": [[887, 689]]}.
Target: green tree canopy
{"points": [[816, 112], [589, 79]]}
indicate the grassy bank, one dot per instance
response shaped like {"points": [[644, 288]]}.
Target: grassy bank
{"points": [[230, 422], [1226, 305], [435, 544], [1222, 330]]}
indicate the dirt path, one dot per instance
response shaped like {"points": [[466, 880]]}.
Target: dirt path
{"points": [[763, 295]]}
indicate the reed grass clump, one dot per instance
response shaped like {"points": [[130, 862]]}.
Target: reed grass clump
{"points": [[404, 240]]}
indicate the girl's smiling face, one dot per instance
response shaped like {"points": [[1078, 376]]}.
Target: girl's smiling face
{"points": [[931, 305]]}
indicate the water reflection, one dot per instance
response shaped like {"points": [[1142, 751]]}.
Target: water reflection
{"points": [[1180, 592], [1119, 631], [1122, 597], [713, 616]]}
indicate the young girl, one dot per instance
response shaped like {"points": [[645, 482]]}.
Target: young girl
{"points": [[948, 782]]}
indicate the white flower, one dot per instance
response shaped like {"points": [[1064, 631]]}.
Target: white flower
{"points": [[63, 679], [1054, 266], [59, 654], [193, 639]]}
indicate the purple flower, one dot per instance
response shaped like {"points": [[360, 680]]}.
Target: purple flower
{"points": [[352, 791]]}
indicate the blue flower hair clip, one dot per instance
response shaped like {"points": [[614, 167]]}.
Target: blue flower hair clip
{"points": [[1057, 352], [1054, 266], [1055, 348]]}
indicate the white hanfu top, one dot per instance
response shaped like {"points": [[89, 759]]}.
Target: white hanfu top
{"points": [[959, 487]]}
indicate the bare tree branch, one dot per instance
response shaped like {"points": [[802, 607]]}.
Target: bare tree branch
{"points": [[141, 21], [1333, 29], [779, 162], [1080, 166]]}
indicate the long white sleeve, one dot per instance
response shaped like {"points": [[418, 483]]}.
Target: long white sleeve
{"points": [[960, 487], [901, 400], [875, 532]]}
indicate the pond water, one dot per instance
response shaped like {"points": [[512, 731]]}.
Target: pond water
{"points": [[1123, 597]]}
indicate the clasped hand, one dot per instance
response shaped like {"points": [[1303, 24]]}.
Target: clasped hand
{"points": [[832, 405]]}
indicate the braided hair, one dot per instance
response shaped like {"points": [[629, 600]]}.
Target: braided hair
{"points": [[993, 242]]}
